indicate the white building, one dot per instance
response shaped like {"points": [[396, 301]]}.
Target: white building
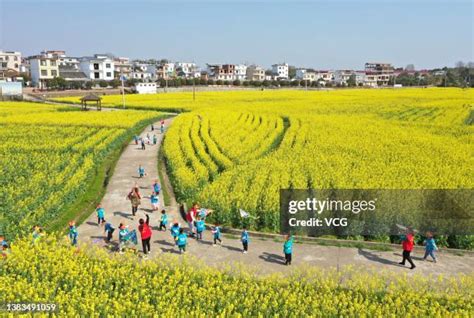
{"points": [[342, 76], [144, 72], [186, 69], [305, 75], [280, 71], [43, 68], [166, 70], [255, 73], [98, 67], [145, 88], [10, 60], [325, 76], [240, 72]]}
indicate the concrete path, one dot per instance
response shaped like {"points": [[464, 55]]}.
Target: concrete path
{"points": [[264, 256]]}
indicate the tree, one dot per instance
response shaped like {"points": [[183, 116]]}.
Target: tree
{"points": [[89, 84], [236, 82], [103, 84], [291, 71], [56, 83], [351, 81], [115, 83]]}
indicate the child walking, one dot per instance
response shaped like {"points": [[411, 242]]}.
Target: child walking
{"points": [[109, 230], [200, 227], [164, 220], [217, 234], [73, 233], [100, 214], [244, 237], [288, 249], [154, 201], [181, 240], [430, 247], [175, 229], [156, 187], [141, 171]]}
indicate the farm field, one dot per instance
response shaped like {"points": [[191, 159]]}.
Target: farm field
{"points": [[90, 283], [50, 156], [248, 145]]}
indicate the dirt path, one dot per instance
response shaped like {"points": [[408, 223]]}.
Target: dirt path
{"points": [[265, 256]]}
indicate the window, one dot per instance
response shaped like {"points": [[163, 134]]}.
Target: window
{"points": [[96, 75], [96, 66], [107, 65], [16, 65], [54, 73], [44, 73], [7, 58], [15, 58], [53, 63], [109, 74], [4, 64], [43, 63]]}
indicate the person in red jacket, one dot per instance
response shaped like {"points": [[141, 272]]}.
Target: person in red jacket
{"points": [[408, 242], [145, 233], [191, 217]]}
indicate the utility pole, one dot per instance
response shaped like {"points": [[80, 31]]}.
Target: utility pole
{"points": [[194, 89], [123, 89]]}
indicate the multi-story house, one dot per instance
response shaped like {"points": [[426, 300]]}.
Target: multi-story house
{"points": [[380, 72], [325, 76], [240, 72], [342, 76], [10, 60], [305, 75], [166, 71], [144, 72], [98, 67], [280, 71], [186, 70], [43, 67], [255, 73], [122, 66]]}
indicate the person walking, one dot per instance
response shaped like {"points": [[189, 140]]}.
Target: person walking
{"points": [[123, 237], [152, 127], [109, 230], [156, 187], [155, 139], [182, 240], [288, 249], [135, 138], [200, 227], [191, 217], [145, 233], [162, 126], [175, 230], [217, 234], [142, 142], [141, 171], [154, 201], [244, 237], [73, 233], [134, 197], [408, 242], [164, 220], [430, 246], [100, 214]]}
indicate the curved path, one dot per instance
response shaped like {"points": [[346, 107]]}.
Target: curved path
{"points": [[265, 256]]}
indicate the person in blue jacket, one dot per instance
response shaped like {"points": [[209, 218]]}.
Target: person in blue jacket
{"points": [[288, 248], [73, 233], [100, 214], [109, 229], [430, 247], [244, 237], [141, 171], [181, 241], [200, 227], [175, 229], [217, 234], [163, 220]]}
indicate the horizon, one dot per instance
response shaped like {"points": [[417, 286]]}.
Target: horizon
{"points": [[249, 32]]}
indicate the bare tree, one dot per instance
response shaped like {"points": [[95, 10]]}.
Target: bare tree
{"points": [[460, 64]]}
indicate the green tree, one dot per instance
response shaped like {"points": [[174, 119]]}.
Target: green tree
{"points": [[351, 82]]}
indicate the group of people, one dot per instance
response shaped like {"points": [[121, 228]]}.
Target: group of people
{"points": [[408, 244]]}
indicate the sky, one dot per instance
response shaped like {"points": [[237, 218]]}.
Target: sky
{"points": [[322, 34]]}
